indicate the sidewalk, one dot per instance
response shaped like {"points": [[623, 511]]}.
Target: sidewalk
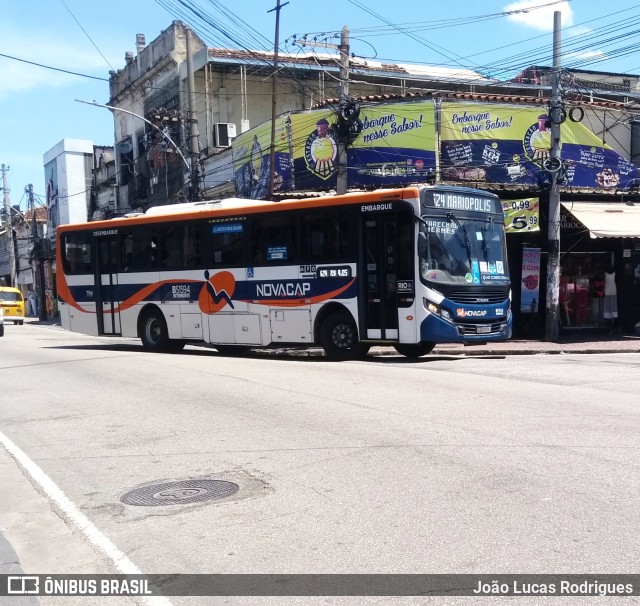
{"points": [[574, 343], [9, 564], [587, 344]]}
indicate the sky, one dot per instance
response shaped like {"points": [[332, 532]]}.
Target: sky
{"points": [[497, 38]]}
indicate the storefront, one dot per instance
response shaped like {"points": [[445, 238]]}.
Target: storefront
{"points": [[600, 266]]}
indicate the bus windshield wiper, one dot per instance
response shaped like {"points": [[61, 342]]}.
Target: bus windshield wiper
{"points": [[464, 243], [486, 244]]}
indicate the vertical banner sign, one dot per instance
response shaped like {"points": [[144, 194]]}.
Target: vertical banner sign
{"points": [[530, 286]]}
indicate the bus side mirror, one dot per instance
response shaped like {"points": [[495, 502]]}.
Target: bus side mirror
{"points": [[422, 244]]}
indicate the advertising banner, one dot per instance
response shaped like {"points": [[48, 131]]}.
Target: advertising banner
{"points": [[251, 155], [396, 145], [530, 286], [521, 215], [508, 144], [315, 149]]}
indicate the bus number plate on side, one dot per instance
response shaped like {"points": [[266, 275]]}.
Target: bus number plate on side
{"points": [[341, 271]]}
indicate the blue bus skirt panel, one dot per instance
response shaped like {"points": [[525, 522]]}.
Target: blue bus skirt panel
{"points": [[436, 330]]}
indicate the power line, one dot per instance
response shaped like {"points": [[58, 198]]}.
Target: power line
{"points": [[86, 34]]}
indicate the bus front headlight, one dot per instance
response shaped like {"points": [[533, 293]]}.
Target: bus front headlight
{"points": [[432, 307], [435, 309]]}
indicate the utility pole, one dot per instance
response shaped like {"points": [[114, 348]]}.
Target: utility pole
{"points": [[7, 211], [38, 255], [342, 181], [274, 84], [341, 144], [193, 124], [552, 323]]}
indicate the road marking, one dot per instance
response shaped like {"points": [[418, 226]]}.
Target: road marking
{"points": [[76, 517]]}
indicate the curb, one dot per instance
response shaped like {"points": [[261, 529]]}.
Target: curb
{"points": [[533, 352], [10, 564]]}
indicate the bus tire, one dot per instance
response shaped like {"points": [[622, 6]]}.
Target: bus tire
{"points": [[153, 331], [416, 350], [339, 337]]}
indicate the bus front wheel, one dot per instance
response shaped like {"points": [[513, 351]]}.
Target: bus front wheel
{"points": [[416, 350], [153, 332], [339, 338]]}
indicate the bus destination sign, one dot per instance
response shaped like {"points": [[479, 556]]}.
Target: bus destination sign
{"points": [[463, 202]]}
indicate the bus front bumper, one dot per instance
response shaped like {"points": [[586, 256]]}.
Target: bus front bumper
{"points": [[437, 330]]}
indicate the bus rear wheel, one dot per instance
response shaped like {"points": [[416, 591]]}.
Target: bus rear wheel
{"points": [[339, 338], [153, 332], [416, 350]]}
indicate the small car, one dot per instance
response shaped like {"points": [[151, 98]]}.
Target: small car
{"points": [[12, 303]]}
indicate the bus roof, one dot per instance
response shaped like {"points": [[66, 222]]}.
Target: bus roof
{"points": [[186, 207], [193, 210]]}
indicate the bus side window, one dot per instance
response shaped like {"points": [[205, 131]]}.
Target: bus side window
{"points": [[326, 237], [140, 250], [170, 255], [258, 241], [192, 245], [228, 247], [70, 256], [274, 240], [127, 252], [77, 254]]}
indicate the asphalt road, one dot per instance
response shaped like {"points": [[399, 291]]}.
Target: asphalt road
{"points": [[492, 465]]}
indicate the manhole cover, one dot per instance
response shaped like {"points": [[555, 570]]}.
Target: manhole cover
{"points": [[179, 493]]}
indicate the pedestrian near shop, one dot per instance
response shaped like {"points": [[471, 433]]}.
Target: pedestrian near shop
{"points": [[610, 296], [32, 299]]}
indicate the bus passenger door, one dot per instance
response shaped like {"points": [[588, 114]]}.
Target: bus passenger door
{"points": [[387, 262], [107, 314], [380, 305]]}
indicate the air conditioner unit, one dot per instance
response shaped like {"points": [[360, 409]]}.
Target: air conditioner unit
{"points": [[223, 134]]}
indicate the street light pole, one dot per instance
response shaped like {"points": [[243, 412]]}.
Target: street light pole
{"points": [[126, 111], [7, 211]]}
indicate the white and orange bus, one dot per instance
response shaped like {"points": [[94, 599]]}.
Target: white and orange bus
{"points": [[407, 268]]}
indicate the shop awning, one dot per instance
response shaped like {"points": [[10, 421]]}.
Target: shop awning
{"points": [[605, 219]]}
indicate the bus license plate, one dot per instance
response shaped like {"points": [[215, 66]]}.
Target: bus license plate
{"points": [[483, 330]]}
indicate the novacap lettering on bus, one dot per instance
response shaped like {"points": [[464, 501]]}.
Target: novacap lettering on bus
{"points": [[287, 289]]}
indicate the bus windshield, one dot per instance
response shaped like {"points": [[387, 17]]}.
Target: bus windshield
{"points": [[455, 248]]}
